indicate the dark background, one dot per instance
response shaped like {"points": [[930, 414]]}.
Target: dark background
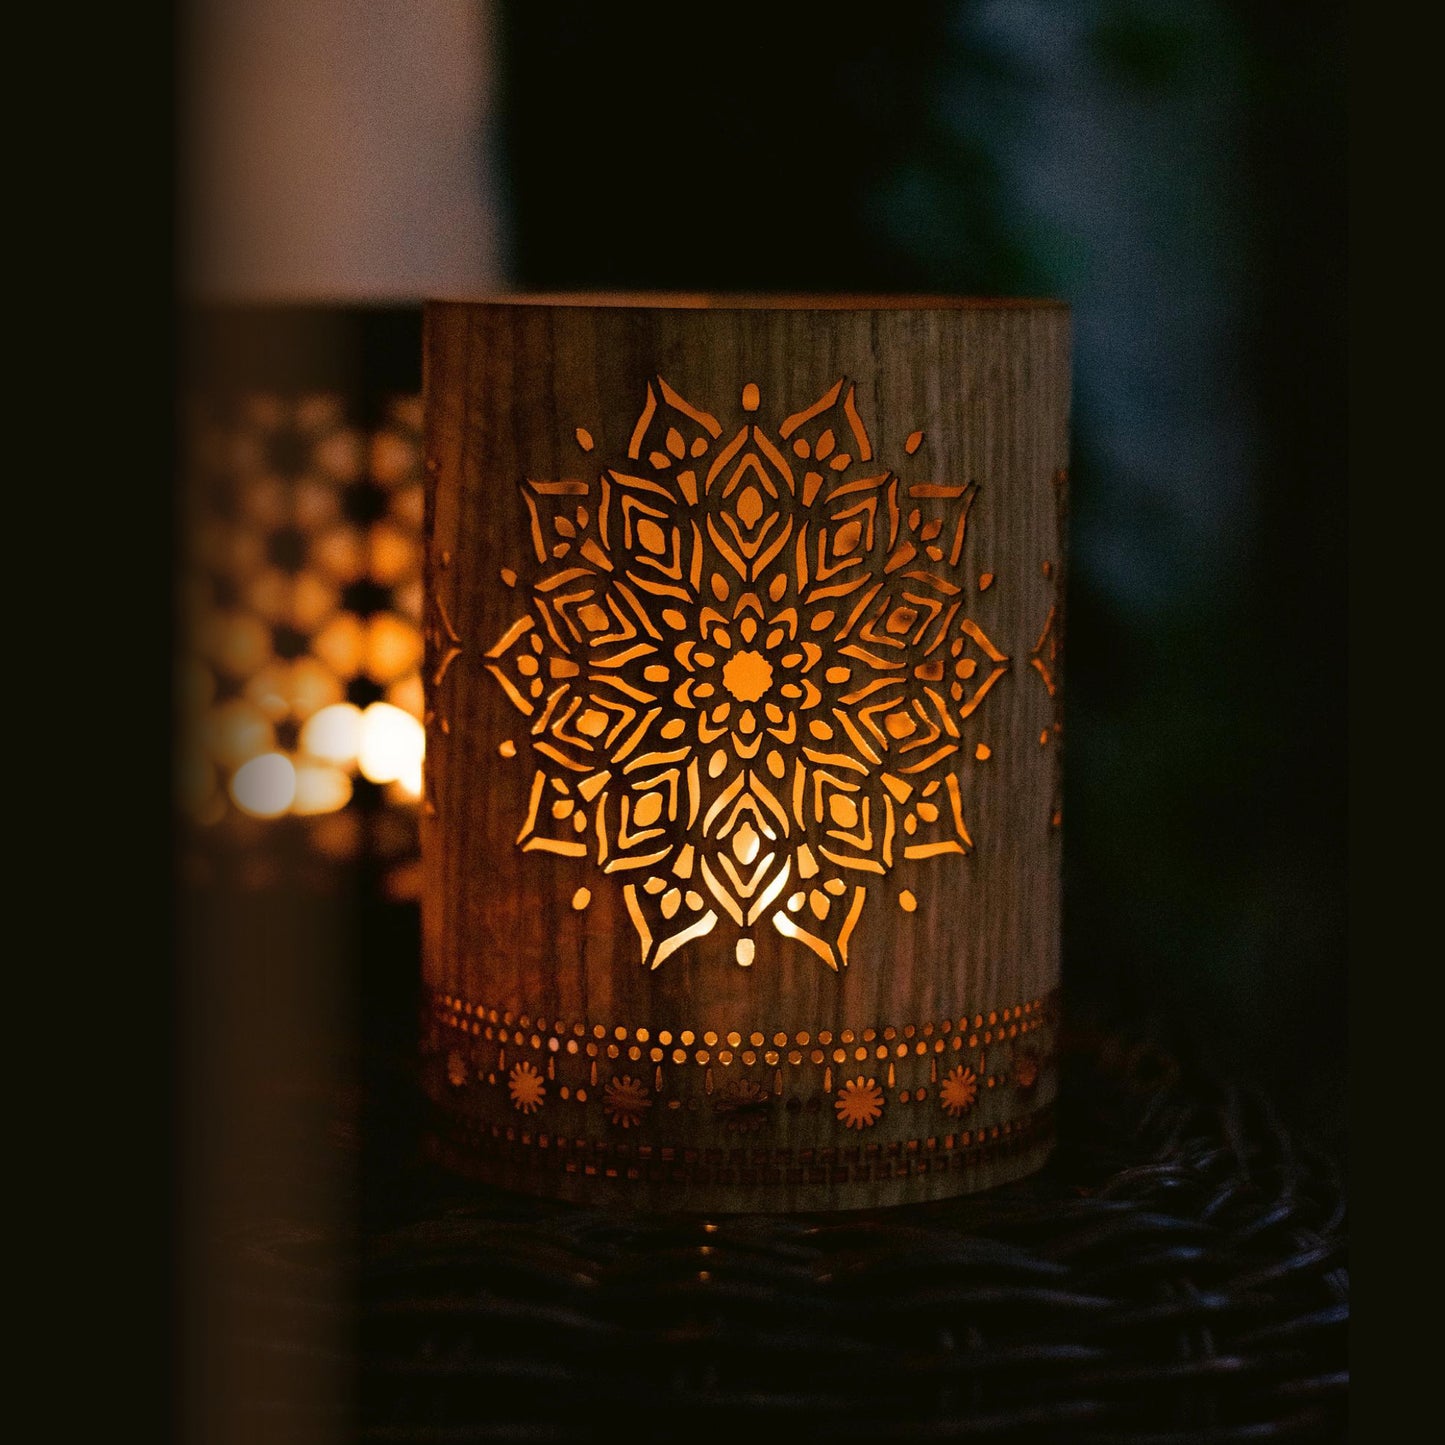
{"points": [[1175, 171]]}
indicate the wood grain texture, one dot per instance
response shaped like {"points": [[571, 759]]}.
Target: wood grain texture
{"points": [[636, 519]]}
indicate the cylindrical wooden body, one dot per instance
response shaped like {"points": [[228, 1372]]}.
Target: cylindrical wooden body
{"points": [[741, 827]]}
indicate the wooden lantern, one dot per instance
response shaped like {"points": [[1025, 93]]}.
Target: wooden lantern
{"points": [[741, 831]]}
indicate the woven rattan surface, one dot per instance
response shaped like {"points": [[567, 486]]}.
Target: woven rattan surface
{"points": [[1176, 1275]]}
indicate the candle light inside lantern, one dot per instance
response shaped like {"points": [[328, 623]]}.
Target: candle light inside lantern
{"points": [[756, 902]]}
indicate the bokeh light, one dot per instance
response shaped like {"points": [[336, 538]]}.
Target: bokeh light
{"points": [[392, 744], [320, 788], [334, 734], [265, 787], [301, 603]]}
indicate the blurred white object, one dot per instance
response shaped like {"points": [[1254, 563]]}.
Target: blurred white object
{"points": [[335, 151]]}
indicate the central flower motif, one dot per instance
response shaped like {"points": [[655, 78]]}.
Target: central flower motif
{"points": [[748, 675], [745, 657], [747, 671]]}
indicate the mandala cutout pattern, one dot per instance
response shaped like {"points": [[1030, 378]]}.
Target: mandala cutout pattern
{"points": [[746, 667]]}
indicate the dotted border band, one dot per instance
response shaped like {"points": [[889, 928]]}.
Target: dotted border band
{"points": [[820, 1047]]}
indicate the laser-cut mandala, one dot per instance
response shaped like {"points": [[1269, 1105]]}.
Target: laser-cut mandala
{"points": [[747, 668]]}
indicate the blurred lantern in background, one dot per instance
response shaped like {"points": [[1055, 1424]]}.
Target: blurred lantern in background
{"points": [[300, 691], [331, 169]]}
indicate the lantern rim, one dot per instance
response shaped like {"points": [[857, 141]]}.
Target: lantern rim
{"points": [[756, 301]]}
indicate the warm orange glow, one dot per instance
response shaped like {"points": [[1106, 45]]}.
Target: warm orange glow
{"points": [[265, 787], [393, 553], [340, 553], [747, 675], [320, 789], [333, 735], [337, 835], [237, 731], [311, 687], [746, 844], [212, 811], [859, 1103], [340, 454], [268, 689], [959, 1090], [526, 1088], [339, 644], [391, 746], [273, 648], [238, 642], [407, 788], [393, 647], [407, 695], [293, 689]]}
